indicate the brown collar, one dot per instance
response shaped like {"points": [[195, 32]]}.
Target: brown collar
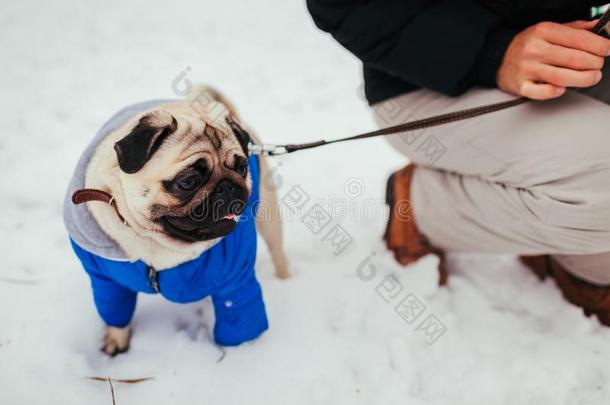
{"points": [[91, 194]]}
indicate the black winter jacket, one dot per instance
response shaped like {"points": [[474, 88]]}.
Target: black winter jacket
{"points": [[443, 45]]}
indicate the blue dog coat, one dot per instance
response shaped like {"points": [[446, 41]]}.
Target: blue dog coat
{"points": [[225, 271]]}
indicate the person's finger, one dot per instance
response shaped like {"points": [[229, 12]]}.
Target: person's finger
{"points": [[569, 37], [571, 58], [561, 77], [582, 24], [540, 91]]}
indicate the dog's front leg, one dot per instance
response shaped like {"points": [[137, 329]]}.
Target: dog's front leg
{"points": [[116, 340]]}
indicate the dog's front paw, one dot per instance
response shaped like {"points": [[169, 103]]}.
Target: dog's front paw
{"points": [[116, 340]]}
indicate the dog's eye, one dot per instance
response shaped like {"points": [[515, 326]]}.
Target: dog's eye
{"points": [[241, 166], [189, 183]]}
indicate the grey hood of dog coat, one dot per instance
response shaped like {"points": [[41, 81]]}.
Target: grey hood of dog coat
{"points": [[78, 220]]}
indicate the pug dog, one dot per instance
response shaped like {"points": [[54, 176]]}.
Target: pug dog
{"points": [[167, 200]]}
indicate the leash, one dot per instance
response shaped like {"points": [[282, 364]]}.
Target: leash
{"points": [[268, 149]]}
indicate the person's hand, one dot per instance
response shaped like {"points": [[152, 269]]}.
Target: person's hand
{"points": [[544, 59]]}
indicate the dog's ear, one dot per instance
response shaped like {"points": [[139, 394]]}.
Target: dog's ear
{"points": [[137, 147], [242, 136]]}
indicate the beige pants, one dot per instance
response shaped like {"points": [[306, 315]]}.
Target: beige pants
{"points": [[534, 179]]}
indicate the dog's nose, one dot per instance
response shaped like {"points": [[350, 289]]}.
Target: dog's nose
{"points": [[224, 189]]}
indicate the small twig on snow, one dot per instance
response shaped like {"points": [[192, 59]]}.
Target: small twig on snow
{"points": [[125, 381], [223, 354], [111, 390]]}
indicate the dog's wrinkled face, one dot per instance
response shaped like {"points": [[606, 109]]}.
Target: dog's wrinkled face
{"points": [[184, 178]]}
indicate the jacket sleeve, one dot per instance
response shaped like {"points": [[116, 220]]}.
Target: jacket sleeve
{"points": [[240, 313], [114, 303], [446, 45]]}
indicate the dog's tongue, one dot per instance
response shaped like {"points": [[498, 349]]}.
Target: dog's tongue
{"points": [[230, 216]]}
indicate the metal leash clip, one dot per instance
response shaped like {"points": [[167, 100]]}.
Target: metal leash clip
{"points": [[266, 149]]}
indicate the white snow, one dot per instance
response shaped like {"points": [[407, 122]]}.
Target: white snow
{"points": [[68, 65]]}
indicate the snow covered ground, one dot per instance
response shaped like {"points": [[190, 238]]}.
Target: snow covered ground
{"points": [[350, 327]]}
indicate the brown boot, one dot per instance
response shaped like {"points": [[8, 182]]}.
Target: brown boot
{"points": [[401, 235], [593, 299]]}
